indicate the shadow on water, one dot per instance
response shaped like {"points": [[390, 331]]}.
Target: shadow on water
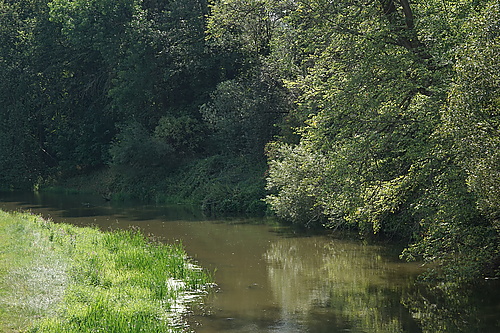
{"points": [[84, 206], [274, 279]]}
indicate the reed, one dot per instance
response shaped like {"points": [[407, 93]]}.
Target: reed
{"points": [[101, 281]]}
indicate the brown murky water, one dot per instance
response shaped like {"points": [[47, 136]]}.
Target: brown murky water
{"points": [[271, 279]]}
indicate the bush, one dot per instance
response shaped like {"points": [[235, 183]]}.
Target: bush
{"points": [[294, 180], [135, 148]]}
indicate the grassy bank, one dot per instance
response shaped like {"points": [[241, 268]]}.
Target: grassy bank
{"points": [[61, 278]]}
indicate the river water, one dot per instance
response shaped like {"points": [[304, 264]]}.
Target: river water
{"points": [[272, 279]]}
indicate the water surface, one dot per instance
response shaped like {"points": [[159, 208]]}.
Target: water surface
{"points": [[271, 279]]}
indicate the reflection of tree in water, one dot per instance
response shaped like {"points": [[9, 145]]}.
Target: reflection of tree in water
{"points": [[448, 309], [359, 287], [362, 291]]}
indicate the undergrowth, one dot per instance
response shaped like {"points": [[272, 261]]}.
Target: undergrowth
{"points": [[217, 184]]}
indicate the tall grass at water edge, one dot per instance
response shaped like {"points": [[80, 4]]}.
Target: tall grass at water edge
{"points": [[62, 278]]}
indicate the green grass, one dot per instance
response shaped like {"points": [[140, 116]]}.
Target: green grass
{"points": [[61, 278]]}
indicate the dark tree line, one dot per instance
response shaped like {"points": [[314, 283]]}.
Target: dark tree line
{"points": [[133, 87]]}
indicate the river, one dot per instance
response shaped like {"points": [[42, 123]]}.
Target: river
{"points": [[272, 279]]}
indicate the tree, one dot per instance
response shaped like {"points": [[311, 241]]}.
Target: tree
{"points": [[244, 112], [473, 117], [375, 80], [24, 155]]}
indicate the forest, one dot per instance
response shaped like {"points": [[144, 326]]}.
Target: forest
{"points": [[379, 116]]}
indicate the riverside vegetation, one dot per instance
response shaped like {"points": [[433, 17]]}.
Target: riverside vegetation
{"points": [[62, 278], [380, 116]]}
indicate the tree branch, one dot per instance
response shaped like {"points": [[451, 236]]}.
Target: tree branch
{"points": [[408, 14]]}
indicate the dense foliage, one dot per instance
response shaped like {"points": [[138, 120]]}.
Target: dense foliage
{"points": [[400, 135], [377, 115], [87, 86]]}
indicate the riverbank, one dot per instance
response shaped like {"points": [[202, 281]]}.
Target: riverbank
{"points": [[217, 184], [62, 278]]}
